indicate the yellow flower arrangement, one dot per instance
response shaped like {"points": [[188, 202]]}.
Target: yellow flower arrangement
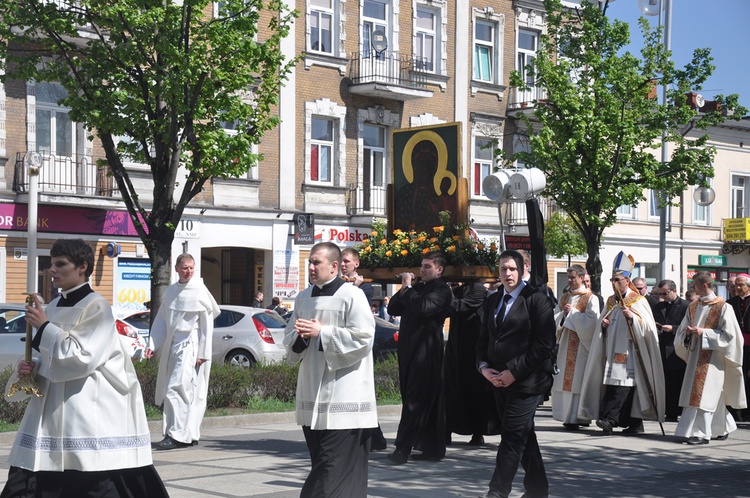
{"points": [[408, 248]]}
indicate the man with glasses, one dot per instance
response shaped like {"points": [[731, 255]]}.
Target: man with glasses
{"points": [[668, 313], [640, 285], [624, 367], [741, 305]]}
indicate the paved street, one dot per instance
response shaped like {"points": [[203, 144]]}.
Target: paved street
{"points": [[265, 456]]}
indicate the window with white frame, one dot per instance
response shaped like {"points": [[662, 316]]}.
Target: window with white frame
{"points": [[653, 204], [740, 196], [321, 150], [626, 212], [373, 167], [230, 128], [484, 151], [702, 214], [485, 53], [322, 23], [375, 16], [55, 132], [528, 43], [426, 36]]}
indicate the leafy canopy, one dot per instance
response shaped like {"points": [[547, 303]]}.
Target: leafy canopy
{"points": [[596, 133]]}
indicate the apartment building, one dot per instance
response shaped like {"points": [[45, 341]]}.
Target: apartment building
{"points": [[369, 67]]}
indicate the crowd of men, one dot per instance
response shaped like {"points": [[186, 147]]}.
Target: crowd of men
{"points": [[511, 345]]}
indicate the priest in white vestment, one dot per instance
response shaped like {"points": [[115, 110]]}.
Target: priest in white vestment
{"points": [[331, 333], [576, 317], [710, 341], [87, 435], [182, 335]]}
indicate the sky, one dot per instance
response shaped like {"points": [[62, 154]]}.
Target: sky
{"points": [[720, 25]]}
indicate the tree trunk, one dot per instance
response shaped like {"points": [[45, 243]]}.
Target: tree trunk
{"points": [[594, 263], [159, 252]]}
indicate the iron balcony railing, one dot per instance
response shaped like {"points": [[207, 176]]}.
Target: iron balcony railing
{"points": [[520, 99], [366, 199], [388, 67], [66, 175], [515, 213]]}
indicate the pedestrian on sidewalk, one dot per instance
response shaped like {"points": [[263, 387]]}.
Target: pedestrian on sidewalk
{"points": [[183, 333], [514, 354], [330, 333], [710, 341], [87, 435]]}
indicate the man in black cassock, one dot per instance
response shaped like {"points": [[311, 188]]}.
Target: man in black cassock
{"points": [[469, 401], [423, 309]]}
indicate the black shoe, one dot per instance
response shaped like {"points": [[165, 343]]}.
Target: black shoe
{"points": [[426, 457], [398, 457], [723, 437], [694, 441], [571, 427], [194, 443], [605, 425], [169, 444], [634, 429], [476, 440], [378, 444]]}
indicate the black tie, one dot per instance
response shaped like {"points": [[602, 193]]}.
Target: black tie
{"points": [[501, 313]]}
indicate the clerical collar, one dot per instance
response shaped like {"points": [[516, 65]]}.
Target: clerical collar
{"points": [[321, 287], [710, 297], [327, 289], [73, 296]]}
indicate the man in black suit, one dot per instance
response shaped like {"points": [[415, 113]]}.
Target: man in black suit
{"points": [[514, 353], [741, 305], [668, 314]]}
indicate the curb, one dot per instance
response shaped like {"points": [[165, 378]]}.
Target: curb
{"points": [[154, 426]]}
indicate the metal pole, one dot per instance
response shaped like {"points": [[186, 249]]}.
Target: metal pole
{"points": [[664, 155], [31, 252]]}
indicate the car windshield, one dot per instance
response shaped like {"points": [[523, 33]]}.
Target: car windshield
{"points": [[12, 321], [270, 320]]}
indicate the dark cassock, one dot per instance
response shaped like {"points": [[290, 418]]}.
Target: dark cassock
{"points": [[423, 309], [470, 406], [666, 313]]}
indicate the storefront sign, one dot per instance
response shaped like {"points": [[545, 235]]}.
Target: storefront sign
{"points": [[62, 219], [712, 260], [132, 283], [737, 229]]}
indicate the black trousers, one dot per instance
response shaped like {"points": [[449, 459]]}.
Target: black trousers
{"points": [[616, 405], [339, 463], [141, 482], [518, 445]]}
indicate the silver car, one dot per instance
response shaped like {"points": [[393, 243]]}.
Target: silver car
{"points": [[12, 334], [243, 336]]}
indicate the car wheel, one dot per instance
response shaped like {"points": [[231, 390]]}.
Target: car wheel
{"points": [[240, 358]]}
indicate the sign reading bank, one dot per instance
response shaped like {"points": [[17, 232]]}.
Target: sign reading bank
{"points": [[63, 219]]}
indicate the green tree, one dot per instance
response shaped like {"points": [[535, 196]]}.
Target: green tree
{"points": [[594, 136], [157, 82], [562, 238]]}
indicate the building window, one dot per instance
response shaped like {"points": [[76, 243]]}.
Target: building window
{"points": [[321, 150], [528, 43], [322, 22], [626, 212], [702, 214], [485, 34], [374, 17], [426, 39], [373, 167], [54, 130], [484, 150], [653, 204], [740, 196]]}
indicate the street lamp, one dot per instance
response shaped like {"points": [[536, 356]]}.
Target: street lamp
{"points": [[33, 163], [655, 8]]}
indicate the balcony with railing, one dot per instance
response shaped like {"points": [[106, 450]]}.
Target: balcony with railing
{"points": [[366, 199], [66, 175], [523, 99], [515, 212], [388, 75]]}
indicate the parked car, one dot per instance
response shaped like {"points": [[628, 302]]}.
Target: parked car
{"points": [[12, 334], [243, 336], [386, 338]]}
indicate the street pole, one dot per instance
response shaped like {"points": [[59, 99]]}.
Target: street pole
{"points": [[664, 153]]}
